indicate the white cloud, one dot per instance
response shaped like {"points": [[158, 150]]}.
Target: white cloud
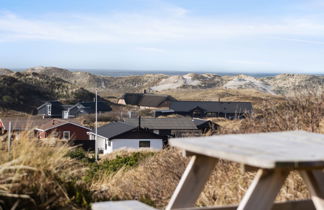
{"points": [[249, 62], [147, 28], [152, 50], [178, 11], [313, 42]]}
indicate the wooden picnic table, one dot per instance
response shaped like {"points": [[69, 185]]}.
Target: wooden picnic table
{"points": [[274, 155]]}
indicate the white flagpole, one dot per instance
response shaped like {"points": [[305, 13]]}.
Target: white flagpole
{"points": [[9, 137], [96, 126]]}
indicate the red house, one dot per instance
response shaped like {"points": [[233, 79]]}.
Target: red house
{"points": [[73, 132]]}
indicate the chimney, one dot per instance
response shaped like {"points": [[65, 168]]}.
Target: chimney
{"points": [[53, 122], [139, 121]]}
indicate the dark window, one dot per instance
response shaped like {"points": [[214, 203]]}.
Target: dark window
{"points": [[144, 144], [66, 135]]}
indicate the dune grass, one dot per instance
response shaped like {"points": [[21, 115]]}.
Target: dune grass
{"points": [[38, 176], [52, 176]]}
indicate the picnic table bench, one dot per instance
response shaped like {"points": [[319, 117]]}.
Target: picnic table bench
{"points": [[274, 155]]}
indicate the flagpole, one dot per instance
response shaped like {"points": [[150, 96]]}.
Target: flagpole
{"points": [[96, 126]]}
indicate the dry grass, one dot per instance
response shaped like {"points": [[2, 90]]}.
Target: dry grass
{"points": [[155, 179], [228, 183], [152, 182], [39, 176], [298, 113]]}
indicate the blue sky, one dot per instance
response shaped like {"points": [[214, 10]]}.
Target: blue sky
{"points": [[253, 36]]}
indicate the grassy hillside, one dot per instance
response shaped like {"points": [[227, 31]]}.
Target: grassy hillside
{"points": [[26, 91], [283, 84], [4, 71]]}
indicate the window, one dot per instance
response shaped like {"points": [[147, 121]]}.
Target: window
{"points": [[66, 114], [107, 144], [66, 135], [144, 144], [49, 109]]}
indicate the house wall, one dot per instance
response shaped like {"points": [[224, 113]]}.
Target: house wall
{"points": [[121, 101], [134, 143], [56, 110], [101, 144], [76, 132], [42, 111]]}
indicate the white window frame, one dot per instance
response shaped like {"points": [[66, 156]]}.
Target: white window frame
{"points": [[69, 135], [49, 109]]}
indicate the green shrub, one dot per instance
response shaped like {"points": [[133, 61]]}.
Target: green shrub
{"points": [[111, 166], [79, 154]]}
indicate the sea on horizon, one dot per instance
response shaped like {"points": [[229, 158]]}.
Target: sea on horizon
{"points": [[116, 73]]}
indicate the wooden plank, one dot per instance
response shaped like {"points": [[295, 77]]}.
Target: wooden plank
{"points": [[121, 205], [288, 205], [192, 182], [315, 183], [263, 190], [291, 150]]}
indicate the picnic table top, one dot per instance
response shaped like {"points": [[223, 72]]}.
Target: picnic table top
{"points": [[289, 149]]}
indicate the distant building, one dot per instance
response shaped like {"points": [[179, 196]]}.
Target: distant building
{"points": [[85, 108], [19, 124], [205, 125], [55, 109], [51, 109], [200, 109], [146, 100], [72, 132], [118, 135], [168, 127]]}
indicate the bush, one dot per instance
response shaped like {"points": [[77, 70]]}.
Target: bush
{"points": [[82, 156], [110, 166], [77, 153]]}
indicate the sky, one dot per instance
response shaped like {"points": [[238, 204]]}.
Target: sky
{"points": [[250, 36]]}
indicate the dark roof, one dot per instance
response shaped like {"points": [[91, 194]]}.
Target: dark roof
{"points": [[144, 99], [54, 103], [114, 129], [54, 123], [90, 107], [181, 123], [211, 106], [199, 122], [66, 107], [22, 123]]}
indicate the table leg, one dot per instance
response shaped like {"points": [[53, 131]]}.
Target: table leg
{"points": [[192, 182], [263, 190], [315, 183]]}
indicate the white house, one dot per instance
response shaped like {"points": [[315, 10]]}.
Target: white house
{"points": [[118, 135]]}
